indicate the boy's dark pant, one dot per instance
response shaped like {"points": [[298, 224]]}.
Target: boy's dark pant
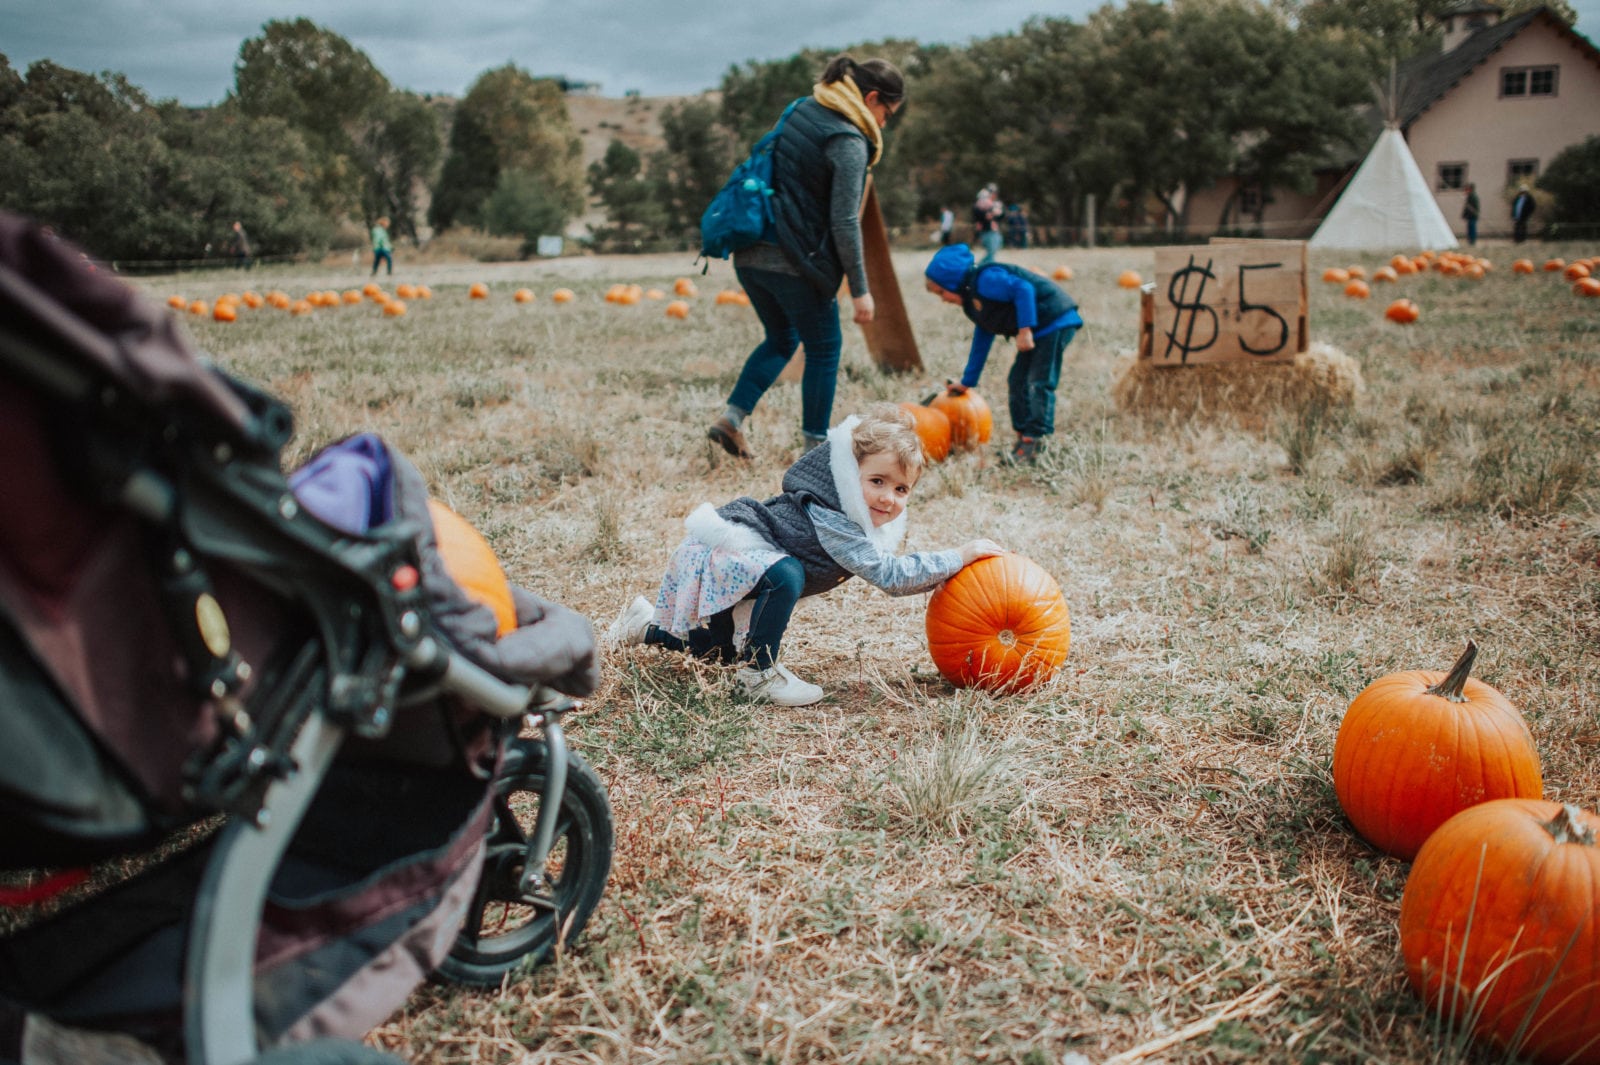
{"points": [[1031, 387], [775, 595]]}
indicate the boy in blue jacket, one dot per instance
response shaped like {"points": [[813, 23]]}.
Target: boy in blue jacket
{"points": [[1004, 299]]}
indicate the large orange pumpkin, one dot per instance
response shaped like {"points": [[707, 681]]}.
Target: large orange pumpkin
{"points": [[1000, 624], [933, 429], [471, 563], [971, 421], [1418, 747], [1498, 927], [1403, 311]]}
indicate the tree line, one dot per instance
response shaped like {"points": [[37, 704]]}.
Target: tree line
{"points": [[1134, 105]]}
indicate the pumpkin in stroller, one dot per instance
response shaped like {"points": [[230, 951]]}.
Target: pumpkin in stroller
{"points": [[272, 693]]}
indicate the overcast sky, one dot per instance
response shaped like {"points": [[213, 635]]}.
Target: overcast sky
{"points": [[186, 48]]}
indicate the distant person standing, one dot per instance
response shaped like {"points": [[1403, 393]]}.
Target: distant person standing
{"points": [[947, 225], [242, 257], [1522, 208], [986, 211], [1470, 211], [1016, 226], [382, 250]]}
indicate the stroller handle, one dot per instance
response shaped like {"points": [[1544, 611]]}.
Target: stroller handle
{"points": [[460, 676]]}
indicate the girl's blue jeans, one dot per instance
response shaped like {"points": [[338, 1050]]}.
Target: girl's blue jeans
{"points": [[775, 595], [793, 313]]}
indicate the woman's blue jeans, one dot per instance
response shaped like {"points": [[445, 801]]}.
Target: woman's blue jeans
{"points": [[793, 313], [775, 595]]}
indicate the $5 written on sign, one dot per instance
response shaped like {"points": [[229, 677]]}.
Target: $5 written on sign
{"points": [[1228, 301]]}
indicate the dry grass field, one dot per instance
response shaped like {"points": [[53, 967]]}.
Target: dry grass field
{"points": [[1143, 861]]}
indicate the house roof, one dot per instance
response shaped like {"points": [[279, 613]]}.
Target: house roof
{"points": [[1429, 78]]}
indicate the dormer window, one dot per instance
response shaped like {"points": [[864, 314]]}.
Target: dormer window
{"points": [[1528, 81]]}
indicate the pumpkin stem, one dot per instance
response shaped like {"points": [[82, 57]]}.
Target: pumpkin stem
{"points": [[1566, 827], [1456, 679]]}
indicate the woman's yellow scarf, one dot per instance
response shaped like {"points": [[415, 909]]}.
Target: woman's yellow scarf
{"points": [[843, 96]]}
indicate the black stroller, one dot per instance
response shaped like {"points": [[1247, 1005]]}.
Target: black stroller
{"points": [[298, 726]]}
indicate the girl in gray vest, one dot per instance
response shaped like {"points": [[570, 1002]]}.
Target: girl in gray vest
{"points": [[1006, 300], [819, 173], [731, 586]]}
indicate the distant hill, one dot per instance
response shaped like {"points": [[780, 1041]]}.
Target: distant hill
{"points": [[633, 120]]}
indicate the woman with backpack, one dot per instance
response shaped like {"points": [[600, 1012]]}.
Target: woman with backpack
{"points": [[819, 173]]}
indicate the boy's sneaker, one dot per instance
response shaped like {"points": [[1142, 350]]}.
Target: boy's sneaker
{"points": [[1026, 449], [777, 686], [631, 625], [732, 440]]}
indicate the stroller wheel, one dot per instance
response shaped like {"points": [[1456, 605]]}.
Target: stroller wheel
{"points": [[503, 930]]}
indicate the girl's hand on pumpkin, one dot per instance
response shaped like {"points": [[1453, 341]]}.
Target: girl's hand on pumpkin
{"points": [[976, 549], [864, 308], [955, 388]]}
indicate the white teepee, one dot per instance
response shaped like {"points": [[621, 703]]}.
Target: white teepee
{"points": [[1387, 204]]}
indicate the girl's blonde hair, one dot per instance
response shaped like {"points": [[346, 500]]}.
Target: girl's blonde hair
{"points": [[887, 427]]}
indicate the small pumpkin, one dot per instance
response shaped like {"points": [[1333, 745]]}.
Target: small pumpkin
{"points": [[1129, 279], [370, 290], [1387, 274], [1000, 624], [1062, 273], [684, 287], [1357, 289], [177, 302], [1498, 926], [253, 300], [224, 312], [1336, 275], [478, 291], [1418, 747], [933, 429], [471, 563], [1403, 311], [727, 296], [654, 294], [424, 292], [562, 295], [677, 309], [300, 306], [523, 295], [353, 295], [971, 421], [1522, 266], [1589, 286], [1576, 271], [394, 308], [199, 309], [406, 292], [1554, 266], [1356, 272]]}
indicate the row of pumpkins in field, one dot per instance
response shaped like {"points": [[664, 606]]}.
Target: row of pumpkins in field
{"points": [[1451, 264], [227, 306], [1498, 917]]}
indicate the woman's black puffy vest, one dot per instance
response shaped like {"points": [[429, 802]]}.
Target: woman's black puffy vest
{"points": [[1000, 316], [784, 523], [803, 188]]}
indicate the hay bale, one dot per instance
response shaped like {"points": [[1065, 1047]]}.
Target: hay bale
{"points": [[1248, 393]]}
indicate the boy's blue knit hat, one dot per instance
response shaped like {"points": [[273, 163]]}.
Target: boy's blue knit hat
{"points": [[949, 266]]}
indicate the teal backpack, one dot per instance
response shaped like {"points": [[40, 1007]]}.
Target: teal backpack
{"points": [[741, 212]]}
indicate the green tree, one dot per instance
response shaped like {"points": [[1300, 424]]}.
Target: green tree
{"points": [[1570, 177], [695, 161], [617, 182], [509, 120], [523, 205], [322, 85], [399, 154]]}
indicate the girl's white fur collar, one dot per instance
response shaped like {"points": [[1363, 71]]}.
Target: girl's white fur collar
{"points": [[715, 531], [847, 482]]}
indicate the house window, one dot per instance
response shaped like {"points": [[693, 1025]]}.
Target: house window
{"points": [[1528, 81], [1250, 200], [1519, 171], [1452, 175]]}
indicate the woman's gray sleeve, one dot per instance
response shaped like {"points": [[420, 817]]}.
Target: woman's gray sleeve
{"points": [[848, 158], [909, 574]]}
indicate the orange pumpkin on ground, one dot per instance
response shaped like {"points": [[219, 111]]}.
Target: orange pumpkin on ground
{"points": [[971, 421], [1403, 311], [562, 295], [1385, 274], [1576, 271], [684, 287], [355, 296], [1552, 266], [1336, 275], [1522, 266], [406, 292], [252, 300], [1062, 273], [478, 291], [933, 429], [1129, 279], [1000, 624], [471, 563], [1499, 930], [1589, 286], [177, 302], [523, 295], [677, 309], [224, 312], [424, 292], [654, 294], [199, 309], [370, 289], [1358, 289], [1418, 747], [300, 306], [394, 308]]}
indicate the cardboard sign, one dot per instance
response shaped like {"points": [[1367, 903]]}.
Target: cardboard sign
{"points": [[1229, 301]]}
